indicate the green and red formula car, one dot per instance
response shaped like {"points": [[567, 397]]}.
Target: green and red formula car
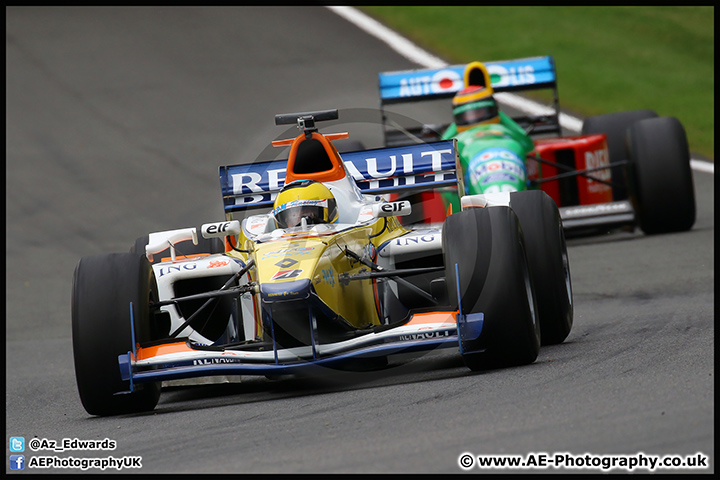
{"points": [[625, 169]]}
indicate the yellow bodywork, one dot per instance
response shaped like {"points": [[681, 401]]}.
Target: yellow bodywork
{"points": [[322, 259]]}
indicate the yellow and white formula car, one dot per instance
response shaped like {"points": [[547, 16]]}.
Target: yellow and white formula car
{"points": [[314, 268]]}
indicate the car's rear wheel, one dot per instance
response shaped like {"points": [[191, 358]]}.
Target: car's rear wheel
{"points": [[488, 248], [660, 175], [104, 288], [548, 262], [615, 126]]}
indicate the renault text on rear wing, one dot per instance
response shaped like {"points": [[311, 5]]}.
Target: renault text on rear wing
{"points": [[377, 171]]}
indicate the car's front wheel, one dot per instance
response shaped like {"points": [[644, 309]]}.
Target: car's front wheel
{"points": [[105, 288], [548, 261], [487, 246]]}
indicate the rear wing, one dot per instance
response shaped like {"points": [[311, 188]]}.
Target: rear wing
{"points": [[377, 171], [432, 84]]}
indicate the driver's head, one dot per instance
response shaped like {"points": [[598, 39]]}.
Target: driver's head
{"points": [[304, 199], [473, 106]]}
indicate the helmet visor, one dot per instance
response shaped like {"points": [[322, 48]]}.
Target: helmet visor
{"points": [[290, 214], [475, 112]]}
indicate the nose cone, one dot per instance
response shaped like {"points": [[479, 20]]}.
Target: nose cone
{"points": [[282, 291]]}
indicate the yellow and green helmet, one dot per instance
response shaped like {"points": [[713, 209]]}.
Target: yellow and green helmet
{"points": [[307, 199], [474, 105]]}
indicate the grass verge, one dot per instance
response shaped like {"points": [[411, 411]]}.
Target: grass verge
{"points": [[608, 59]]}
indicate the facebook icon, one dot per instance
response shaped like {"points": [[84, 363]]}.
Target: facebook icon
{"points": [[17, 462]]}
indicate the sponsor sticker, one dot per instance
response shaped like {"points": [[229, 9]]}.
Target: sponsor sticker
{"points": [[286, 262], [286, 274], [218, 263]]}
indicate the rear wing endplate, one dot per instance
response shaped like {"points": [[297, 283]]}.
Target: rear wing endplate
{"points": [[377, 171]]}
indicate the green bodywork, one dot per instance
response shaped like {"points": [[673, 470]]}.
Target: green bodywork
{"points": [[492, 157]]}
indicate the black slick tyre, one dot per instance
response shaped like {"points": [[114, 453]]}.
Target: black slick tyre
{"points": [[615, 126], [488, 248], [663, 193], [548, 262], [104, 286]]}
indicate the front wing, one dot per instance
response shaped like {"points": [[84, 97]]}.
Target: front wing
{"points": [[180, 360]]}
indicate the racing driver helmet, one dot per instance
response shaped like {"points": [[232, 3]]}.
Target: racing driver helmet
{"points": [[307, 199], [473, 106]]}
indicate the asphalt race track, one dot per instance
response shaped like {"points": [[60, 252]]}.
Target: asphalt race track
{"points": [[117, 120]]}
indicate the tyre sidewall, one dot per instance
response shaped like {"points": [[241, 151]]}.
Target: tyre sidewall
{"points": [[548, 262]]}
